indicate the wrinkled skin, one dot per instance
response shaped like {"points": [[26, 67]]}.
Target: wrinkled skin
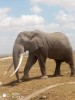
{"points": [[42, 46]]}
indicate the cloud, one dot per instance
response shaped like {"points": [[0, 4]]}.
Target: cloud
{"points": [[8, 23], [35, 1], [63, 21], [65, 17], [4, 11], [66, 20], [36, 9], [35, 6], [71, 37], [68, 4], [6, 44]]}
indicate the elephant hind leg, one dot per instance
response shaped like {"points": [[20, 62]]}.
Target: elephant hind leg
{"points": [[72, 68], [57, 69], [70, 61]]}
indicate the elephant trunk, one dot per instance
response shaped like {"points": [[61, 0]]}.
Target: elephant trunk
{"points": [[19, 63], [17, 59]]}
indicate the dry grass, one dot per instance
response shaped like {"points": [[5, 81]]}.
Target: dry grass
{"points": [[66, 92]]}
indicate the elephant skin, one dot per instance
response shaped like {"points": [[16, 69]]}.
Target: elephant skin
{"points": [[42, 45]]}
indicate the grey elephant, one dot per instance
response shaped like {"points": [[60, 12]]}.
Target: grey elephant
{"points": [[41, 46]]}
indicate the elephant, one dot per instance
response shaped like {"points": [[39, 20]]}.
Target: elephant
{"points": [[42, 45]]}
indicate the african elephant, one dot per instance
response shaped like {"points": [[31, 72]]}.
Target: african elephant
{"points": [[42, 45]]}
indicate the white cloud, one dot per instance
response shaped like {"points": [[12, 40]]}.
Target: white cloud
{"points": [[8, 23], [67, 4], [35, 1], [71, 37], [66, 20], [63, 21], [64, 17], [4, 11], [6, 44], [35, 6], [36, 9]]}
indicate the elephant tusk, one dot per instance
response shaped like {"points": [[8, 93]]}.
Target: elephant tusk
{"points": [[8, 69], [20, 61]]}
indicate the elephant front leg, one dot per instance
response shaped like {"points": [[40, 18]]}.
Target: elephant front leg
{"points": [[42, 62], [17, 76], [30, 62]]}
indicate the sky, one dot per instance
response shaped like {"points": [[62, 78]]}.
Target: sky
{"points": [[44, 15]]}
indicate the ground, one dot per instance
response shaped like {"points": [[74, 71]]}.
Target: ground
{"points": [[12, 91]]}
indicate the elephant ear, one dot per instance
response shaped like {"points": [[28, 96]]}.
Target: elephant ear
{"points": [[37, 42]]}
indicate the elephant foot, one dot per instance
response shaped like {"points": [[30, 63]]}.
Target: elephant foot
{"points": [[44, 77], [25, 78], [57, 75], [18, 81], [72, 75]]}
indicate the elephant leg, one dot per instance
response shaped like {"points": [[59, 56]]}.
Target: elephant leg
{"points": [[17, 76], [57, 69], [72, 69], [30, 62], [42, 62]]}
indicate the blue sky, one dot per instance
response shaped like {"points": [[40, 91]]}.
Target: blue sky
{"points": [[18, 7], [45, 15]]}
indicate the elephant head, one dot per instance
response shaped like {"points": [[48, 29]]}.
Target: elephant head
{"points": [[21, 45], [30, 41]]}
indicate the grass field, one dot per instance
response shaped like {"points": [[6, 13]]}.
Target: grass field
{"points": [[64, 92]]}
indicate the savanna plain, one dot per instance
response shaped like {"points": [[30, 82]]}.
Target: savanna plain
{"points": [[23, 89]]}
